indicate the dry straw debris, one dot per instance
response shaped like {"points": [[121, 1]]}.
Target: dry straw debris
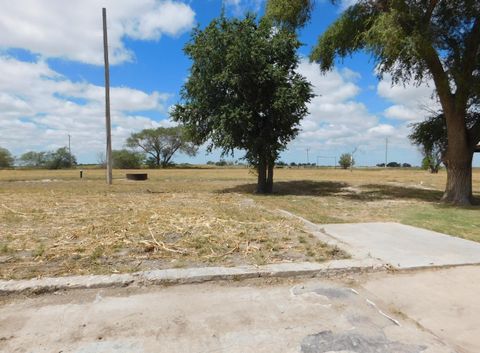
{"points": [[69, 227]]}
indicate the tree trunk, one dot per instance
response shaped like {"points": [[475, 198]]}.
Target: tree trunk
{"points": [[459, 182], [269, 186], [262, 177], [459, 163]]}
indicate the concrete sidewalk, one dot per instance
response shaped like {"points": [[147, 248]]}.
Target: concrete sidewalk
{"points": [[314, 316], [445, 301], [403, 246]]}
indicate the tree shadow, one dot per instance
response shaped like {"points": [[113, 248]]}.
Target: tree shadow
{"points": [[369, 192], [295, 187], [374, 192]]}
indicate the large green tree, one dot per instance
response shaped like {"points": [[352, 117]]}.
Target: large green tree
{"points": [[413, 40], [243, 91], [162, 143]]}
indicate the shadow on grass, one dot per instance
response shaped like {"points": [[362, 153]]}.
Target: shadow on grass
{"points": [[370, 192], [296, 187]]}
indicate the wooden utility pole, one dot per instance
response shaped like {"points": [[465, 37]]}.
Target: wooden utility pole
{"points": [[386, 151], [107, 99], [69, 151]]}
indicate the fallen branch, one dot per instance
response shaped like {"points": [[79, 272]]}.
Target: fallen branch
{"points": [[13, 211], [162, 245]]}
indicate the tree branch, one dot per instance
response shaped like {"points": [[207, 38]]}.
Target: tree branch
{"points": [[431, 8], [465, 80], [474, 134], [440, 77]]}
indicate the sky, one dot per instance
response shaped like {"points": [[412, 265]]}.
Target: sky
{"points": [[52, 81]]}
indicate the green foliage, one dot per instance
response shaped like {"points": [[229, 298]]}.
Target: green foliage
{"points": [[33, 159], [60, 159], [432, 163], [394, 165], [346, 161], [402, 35], [6, 158], [291, 13], [343, 37], [431, 136], [162, 143], [243, 91], [125, 159]]}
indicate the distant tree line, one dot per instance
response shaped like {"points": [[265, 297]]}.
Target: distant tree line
{"points": [[6, 158], [59, 159], [395, 165]]}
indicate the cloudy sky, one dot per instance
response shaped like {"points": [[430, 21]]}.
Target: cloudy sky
{"points": [[51, 80]]}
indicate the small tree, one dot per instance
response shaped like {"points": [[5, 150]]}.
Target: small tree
{"points": [[431, 137], [6, 158], [162, 143], [243, 91], [431, 163], [60, 159], [33, 159], [346, 161], [125, 159]]}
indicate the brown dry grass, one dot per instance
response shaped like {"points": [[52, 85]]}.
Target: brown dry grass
{"points": [[52, 223]]}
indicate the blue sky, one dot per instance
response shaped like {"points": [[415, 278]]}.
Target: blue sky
{"points": [[51, 80]]}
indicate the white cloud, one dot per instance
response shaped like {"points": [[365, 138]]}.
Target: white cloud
{"points": [[401, 112], [73, 29], [335, 117], [338, 122], [411, 102], [39, 108]]}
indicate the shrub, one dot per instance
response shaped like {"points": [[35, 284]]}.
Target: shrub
{"points": [[6, 158], [60, 159], [125, 159], [346, 161], [393, 165]]}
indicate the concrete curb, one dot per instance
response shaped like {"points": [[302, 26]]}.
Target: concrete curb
{"points": [[188, 275]]}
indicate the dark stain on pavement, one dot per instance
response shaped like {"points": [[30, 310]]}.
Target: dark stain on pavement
{"points": [[327, 341]]}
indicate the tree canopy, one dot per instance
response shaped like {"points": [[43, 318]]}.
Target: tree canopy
{"points": [[59, 159], [431, 136], [243, 91], [125, 159], [414, 40], [33, 159], [346, 161], [162, 143], [6, 158]]}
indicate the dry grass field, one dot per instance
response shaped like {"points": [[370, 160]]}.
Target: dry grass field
{"points": [[53, 223]]}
